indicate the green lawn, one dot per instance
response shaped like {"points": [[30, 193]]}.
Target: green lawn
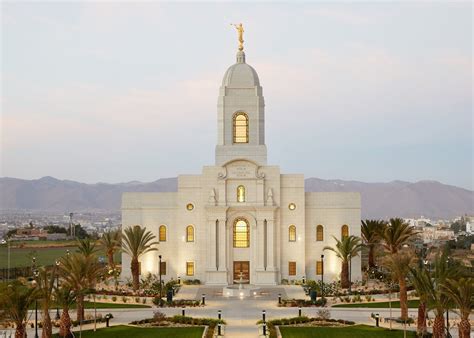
{"points": [[356, 331], [20, 257], [123, 331], [90, 305], [413, 303]]}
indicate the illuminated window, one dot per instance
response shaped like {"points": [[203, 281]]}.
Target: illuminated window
{"points": [[240, 193], [241, 233], [189, 233], [344, 231], [292, 206], [189, 206], [292, 268], [319, 233], [163, 268], [189, 268], [241, 128], [162, 232], [319, 267], [292, 233]]}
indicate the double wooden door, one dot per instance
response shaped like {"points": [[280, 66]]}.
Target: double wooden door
{"points": [[244, 268]]}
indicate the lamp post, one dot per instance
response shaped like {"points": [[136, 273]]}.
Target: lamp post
{"points": [[350, 274], [159, 271], [322, 277], [448, 334], [35, 276], [263, 316], [57, 287]]}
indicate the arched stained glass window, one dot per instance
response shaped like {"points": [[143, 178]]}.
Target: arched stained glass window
{"points": [[241, 128], [241, 233], [344, 231], [162, 233], [319, 233], [240, 193], [189, 233], [292, 233]]}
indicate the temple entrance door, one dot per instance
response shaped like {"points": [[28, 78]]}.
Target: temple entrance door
{"points": [[244, 268]]}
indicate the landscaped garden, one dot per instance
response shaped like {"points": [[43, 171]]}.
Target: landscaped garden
{"points": [[123, 331], [354, 331], [412, 303]]}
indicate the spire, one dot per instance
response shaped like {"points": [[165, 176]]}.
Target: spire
{"points": [[240, 57]]}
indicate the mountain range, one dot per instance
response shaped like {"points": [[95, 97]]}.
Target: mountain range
{"points": [[431, 199]]}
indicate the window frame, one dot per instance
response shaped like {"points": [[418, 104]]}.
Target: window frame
{"points": [[190, 238], [162, 226], [246, 126], [344, 231], [235, 241], [292, 233], [239, 195], [319, 268], [163, 270], [190, 264], [291, 268], [319, 233]]}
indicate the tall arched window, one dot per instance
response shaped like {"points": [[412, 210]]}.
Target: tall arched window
{"points": [[162, 233], [240, 193], [241, 128], [319, 233], [344, 231], [241, 233], [292, 233], [189, 233]]}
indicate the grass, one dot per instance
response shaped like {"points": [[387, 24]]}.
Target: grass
{"points": [[413, 303], [90, 305], [122, 331], [21, 257], [356, 331]]}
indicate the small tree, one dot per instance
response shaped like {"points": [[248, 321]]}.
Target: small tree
{"points": [[461, 293], [65, 297], [349, 247], [111, 243], [371, 231], [136, 242]]}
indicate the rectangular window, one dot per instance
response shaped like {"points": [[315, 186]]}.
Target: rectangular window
{"points": [[189, 268], [163, 268], [319, 267], [292, 268]]}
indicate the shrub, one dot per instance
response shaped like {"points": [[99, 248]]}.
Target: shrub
{"points": [[114, 298], [324, 314], [137, 299], [124, 299], [159, 316], [144, 300]]}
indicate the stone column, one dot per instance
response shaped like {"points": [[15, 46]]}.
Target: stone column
{"points": [[211, 248], [260, 244], [223, 245], [270, 245]]}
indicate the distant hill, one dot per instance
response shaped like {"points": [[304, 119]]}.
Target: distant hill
{"points": [[379, 200]]}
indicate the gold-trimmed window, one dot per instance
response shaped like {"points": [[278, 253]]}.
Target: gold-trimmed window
{"points": [[240, 194], [163, 268], [241, 128], [344, 231], [319, 233], [189, 233], [292, 268], [189, 268], [319, 267], [292, 233], [241, 233], [162, 233]]}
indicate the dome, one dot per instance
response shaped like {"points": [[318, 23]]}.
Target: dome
{"points": [[240, 74]]}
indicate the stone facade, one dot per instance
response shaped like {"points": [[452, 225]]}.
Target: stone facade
{"points": [[246, 216]]}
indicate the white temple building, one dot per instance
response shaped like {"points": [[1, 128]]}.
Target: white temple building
{"points": [[242, 215]]}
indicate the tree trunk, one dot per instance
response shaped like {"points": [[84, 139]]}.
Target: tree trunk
{"points": [[65, 324], [403, 298], [421, 322], [371, 257], [345, 275], [20, 331], [464, 328], [47, 331], [110, 257], [135, 274], [80, 307], [438, 327]]}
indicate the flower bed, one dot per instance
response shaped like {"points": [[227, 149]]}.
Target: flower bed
{"points": [[302, 303]]}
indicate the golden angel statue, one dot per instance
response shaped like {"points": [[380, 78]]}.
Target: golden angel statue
{"points": [[240, 34]]}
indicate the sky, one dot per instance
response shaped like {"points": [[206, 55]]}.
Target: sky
{"points": [[122, 91]]}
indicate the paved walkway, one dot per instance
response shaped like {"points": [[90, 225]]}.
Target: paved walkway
{"points": [[241, 315]]}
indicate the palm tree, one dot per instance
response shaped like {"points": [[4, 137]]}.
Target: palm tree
{"points": [[346, 249], [399, 265], [86, 247], [45, 285], [136, 242], [371, 230], [461, 293], [80, 273], [111, 242], [15, 299], [420, 277], [65, 297], [396, 234]]}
